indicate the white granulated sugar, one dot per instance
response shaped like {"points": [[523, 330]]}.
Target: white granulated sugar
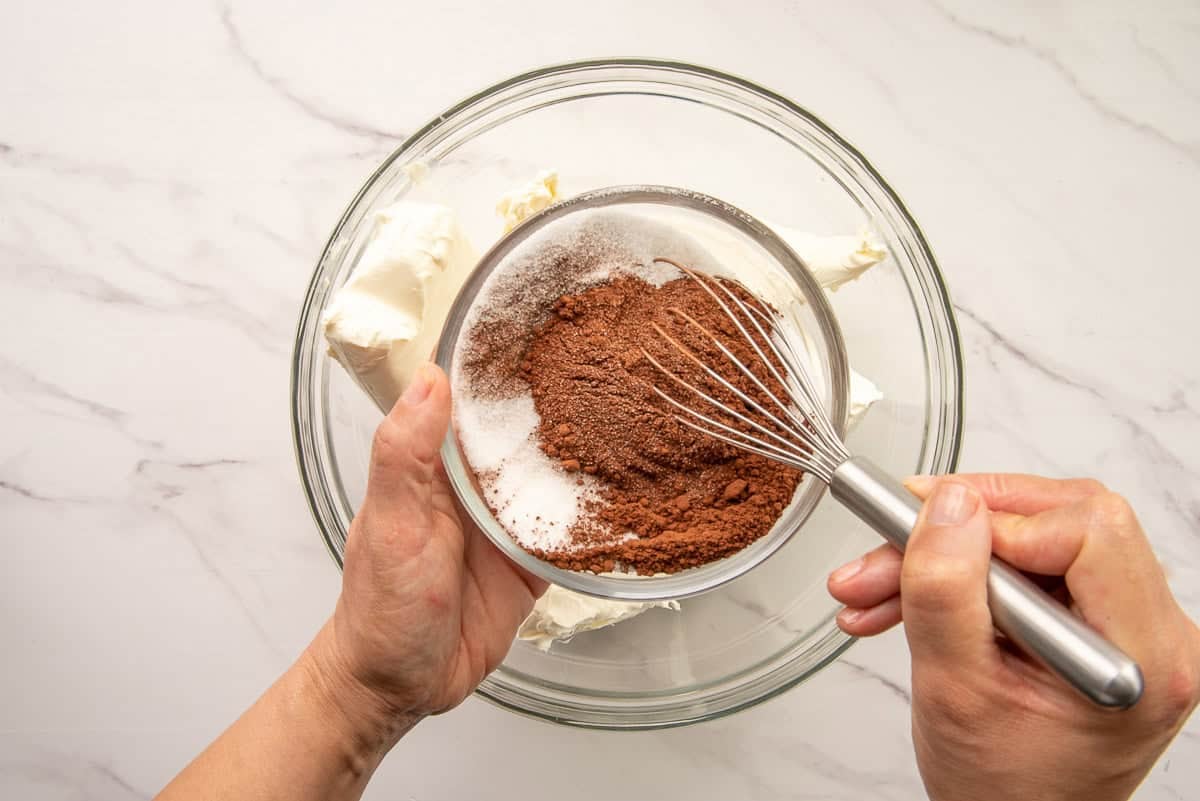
{"points": [[535, 500], [579, 251], [530, 495], [493, 431]]}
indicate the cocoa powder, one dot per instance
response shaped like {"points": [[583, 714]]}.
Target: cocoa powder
{"points": [[687, 498]]}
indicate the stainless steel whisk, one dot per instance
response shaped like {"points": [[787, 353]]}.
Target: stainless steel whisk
{"points": [[795, 430]]}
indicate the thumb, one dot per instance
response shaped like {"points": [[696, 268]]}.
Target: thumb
{"points": [[943, 581], [405, 453]]}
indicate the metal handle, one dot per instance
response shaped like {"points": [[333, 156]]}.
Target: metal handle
{"points": [[1029, 617]]}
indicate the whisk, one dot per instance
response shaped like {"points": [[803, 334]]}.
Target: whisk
{"points": [[796, 431]]}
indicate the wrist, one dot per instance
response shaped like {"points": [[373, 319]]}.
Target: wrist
{"points": [[371, 725]]}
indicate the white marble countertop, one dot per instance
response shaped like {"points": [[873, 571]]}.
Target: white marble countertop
{"points": [[168, 174]]}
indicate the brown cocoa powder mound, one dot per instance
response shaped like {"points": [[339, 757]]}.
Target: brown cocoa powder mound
{"points": [[689, 499]]}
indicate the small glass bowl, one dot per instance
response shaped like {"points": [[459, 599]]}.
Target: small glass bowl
{"points": [[804, 302], [633, 122]]}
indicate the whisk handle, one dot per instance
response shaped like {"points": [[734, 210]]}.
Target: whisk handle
{"points": [[1042, 627]]}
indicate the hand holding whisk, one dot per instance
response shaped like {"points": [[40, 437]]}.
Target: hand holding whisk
{"points": [[787, 423]]}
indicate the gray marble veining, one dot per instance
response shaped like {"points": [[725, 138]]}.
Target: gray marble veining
{"points": [[169, 173]]}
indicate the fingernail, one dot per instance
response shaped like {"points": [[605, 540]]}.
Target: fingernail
{"points": [[848, 570], [848, 617], [951, 504], [920, 485], [422, 382]]}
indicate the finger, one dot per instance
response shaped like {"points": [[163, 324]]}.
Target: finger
{"points": [[944, 579], [507, 591], [1110, 569], [491, 555], [405, 453], [872, 620], [869, 580], [498, 595], [1016, 492]]}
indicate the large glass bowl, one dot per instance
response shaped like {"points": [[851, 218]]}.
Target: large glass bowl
{"points": [[608, 123]]}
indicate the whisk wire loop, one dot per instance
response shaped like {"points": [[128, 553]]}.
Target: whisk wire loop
{"points": [[808, 439], [790, 454], [801, 383]]}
